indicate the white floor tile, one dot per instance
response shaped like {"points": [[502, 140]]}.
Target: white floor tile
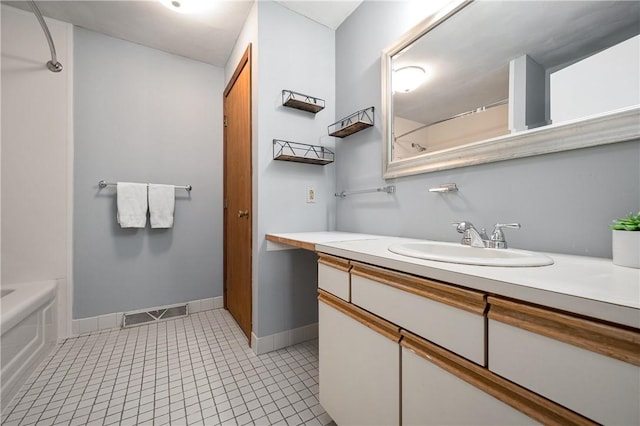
{"points": [[193, 370]]}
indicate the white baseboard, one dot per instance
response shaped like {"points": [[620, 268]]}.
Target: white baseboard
{"points": [[114, 320], [273, 342]]}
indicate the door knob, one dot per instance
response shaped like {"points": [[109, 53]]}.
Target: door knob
{"points": [[243, 213]]}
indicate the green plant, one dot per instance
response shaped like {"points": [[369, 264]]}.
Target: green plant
{"points": [[629, 223]]}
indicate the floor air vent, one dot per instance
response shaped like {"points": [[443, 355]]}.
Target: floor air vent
{"points": [[131, 319]]}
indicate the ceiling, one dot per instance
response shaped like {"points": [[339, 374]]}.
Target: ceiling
{"points": [[207, 37], [330, 13]]}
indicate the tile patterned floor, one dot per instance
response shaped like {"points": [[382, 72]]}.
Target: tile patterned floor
{"points": [[197, 370]]}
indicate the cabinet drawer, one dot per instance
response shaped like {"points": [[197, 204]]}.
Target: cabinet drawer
{"points": [[448, 316], [333, 276], [587, 366], [359, 364], [467, 393]]}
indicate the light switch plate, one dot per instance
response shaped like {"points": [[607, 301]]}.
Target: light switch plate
{"points": [[311, 194]]}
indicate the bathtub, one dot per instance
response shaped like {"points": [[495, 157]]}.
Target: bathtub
{"points": [[29, 330]]}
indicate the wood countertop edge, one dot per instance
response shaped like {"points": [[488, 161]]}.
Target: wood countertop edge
{"points": [[289, 242]]}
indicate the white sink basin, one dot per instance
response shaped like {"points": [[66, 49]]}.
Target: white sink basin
{"points": [[457, 253]]}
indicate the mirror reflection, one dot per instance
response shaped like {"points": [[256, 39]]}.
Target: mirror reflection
{"points": [[497, 68]]}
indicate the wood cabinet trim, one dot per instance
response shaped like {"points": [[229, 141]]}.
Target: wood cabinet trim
{"points": [[616, 342], [523, 400], [468, 300], [334, 262], [375, 323], [289, 242]]}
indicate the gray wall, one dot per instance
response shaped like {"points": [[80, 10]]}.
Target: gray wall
{"points": [[142, 115], [564, 201], [298, 54]]}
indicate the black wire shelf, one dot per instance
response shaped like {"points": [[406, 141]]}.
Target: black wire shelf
{"points": [[303, 102], [353, 123], [301, 153]]}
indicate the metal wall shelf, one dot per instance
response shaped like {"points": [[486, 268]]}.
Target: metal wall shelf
{"points": [[303, 102], [353, 123], [301, 153]]}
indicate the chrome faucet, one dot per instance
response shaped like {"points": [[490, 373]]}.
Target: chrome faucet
{"points": [[497, 236], [471, 236]]}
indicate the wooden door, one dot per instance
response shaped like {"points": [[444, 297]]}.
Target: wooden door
{"points": [[237, 194]]}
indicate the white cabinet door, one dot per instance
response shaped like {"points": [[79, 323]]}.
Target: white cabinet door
{"points": [[359, 368], [440, 387], [589, 367], [433, 396]]}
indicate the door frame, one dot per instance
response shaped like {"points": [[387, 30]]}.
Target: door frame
{"points": [[245, 61]]}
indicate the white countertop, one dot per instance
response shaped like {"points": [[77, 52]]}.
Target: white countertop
{"points": [[588, 286]]}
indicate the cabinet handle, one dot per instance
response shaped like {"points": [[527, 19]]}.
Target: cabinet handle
{"points": [[608, 340], [529, 403], [243, 213], [377, 324]]}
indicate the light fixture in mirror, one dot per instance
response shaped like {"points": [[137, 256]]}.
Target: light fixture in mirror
{"points": [[188, 6], [513, 79], [408, 78]]}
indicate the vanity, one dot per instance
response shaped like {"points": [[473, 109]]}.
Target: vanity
{"points": [[410, 335], [404, 340]]}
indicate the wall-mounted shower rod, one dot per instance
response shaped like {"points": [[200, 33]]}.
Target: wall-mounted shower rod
{"points": [[53, 65], [473, 111], [104, 184]]}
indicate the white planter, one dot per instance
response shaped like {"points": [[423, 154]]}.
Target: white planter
{"points": [[626, 248]]}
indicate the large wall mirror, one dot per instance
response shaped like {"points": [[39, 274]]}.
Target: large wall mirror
{"points": [[483, 81]]}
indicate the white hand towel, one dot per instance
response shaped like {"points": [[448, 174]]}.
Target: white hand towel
{"points": [[162, 201], [132, 204]]}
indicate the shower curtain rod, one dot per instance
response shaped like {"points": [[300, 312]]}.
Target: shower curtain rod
{"points": [[53, 65]]}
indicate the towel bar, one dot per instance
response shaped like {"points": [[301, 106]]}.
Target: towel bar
{"points": [[388, 189], [104, 183], [445, 187]]}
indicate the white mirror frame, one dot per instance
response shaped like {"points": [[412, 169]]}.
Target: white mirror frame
{"points": [[610, 127]]}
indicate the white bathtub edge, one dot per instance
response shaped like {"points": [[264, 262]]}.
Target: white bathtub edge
{"points": [[24, 300], [29, 332]]}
